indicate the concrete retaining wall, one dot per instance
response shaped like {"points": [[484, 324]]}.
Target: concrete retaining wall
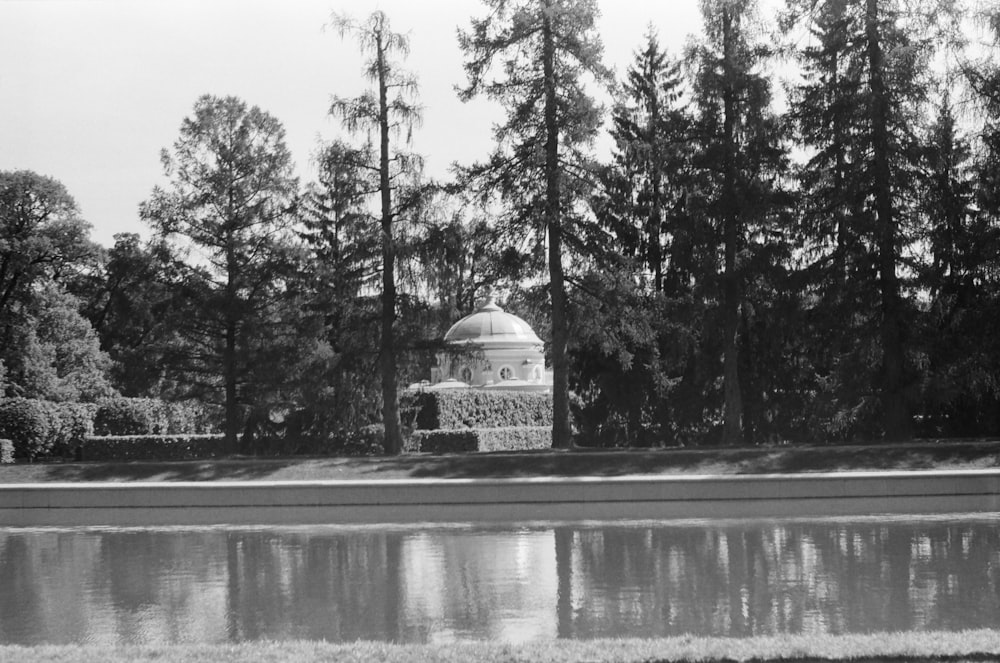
{"points": [[481, 500]]}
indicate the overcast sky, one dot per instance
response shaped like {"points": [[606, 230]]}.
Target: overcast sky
{"points": [[92, 90]]}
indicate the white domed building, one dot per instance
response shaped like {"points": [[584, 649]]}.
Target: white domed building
{"points": [[494, 350]]}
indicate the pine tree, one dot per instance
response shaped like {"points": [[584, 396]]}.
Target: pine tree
{"points": [[230, 197]]}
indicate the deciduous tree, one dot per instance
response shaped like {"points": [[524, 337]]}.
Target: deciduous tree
{"points": [[41, 236]]}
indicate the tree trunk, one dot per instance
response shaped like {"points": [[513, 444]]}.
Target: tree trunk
{"points": [[229, 380], [732, 433], [232, 317], [895, 417], [561, 431], [390, 397], [656, 184]]}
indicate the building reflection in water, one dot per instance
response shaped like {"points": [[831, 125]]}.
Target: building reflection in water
{"points": [[513, 584]]}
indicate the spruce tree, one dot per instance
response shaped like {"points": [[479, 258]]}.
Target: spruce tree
{"points": [[643, 184], [741, 161], [858, 114]]}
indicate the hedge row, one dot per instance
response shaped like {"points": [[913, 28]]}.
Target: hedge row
{"points": [[473, 408], [365, 441], [39, 428], [505, 438], [6, 452], [153, 447]]}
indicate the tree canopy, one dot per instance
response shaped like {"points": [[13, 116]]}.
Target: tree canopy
{"points": [[785, 231]]}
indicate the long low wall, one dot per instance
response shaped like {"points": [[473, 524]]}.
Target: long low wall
{"points": [[485, 500]]}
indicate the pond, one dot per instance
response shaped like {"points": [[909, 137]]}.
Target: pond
{"points": [[512, 582]]}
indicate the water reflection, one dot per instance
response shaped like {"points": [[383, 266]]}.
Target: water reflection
{"points": [[458, 583]]}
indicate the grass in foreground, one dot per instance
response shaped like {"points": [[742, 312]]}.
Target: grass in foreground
{"points": [[980, 645], [920, 455]]}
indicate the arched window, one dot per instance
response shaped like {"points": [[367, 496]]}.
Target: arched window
{"points": [[506, 373], [536, 373], [466, 375]]}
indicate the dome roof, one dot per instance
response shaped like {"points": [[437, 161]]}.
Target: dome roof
{"points": [[491, 325]]}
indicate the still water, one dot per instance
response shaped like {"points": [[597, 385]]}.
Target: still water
{"points": [[515, 583]]}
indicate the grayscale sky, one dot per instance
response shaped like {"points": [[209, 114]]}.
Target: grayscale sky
{"points": [[92, 90]]}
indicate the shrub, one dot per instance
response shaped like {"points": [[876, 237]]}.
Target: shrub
{"points": [[189, 417], [32, 425], [130, 416], [75, 423], [506, 438], [475, 408], [150, 416], [40, 428], [153, 447], [6, 452], [366, 441]]}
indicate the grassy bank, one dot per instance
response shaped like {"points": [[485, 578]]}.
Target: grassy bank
{"points": [[933, 646], [922, 455]]}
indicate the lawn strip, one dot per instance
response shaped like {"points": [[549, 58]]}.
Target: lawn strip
{"points": [[980, 645], [920, 455]]}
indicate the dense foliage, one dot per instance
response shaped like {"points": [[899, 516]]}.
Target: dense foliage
{"points": [[149, 416], [794, 238]]}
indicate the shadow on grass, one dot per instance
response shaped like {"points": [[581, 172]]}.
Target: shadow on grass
{"points": [[607, 463], [205, 470]]}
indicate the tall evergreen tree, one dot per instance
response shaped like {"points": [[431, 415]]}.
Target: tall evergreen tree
{"points": [[385, 113], [339, 390], [741, 155], [960, 392], [858, 112], [650, 130], [532, 56]]}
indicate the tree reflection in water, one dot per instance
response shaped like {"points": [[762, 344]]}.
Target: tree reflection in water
{"points": [[516, 583]]}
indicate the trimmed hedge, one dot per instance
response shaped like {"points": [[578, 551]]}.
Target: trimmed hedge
{"points": [[505, 438], [510, 438], [149, 416], [365, 441], [6, 452], [441, 441], [153, 447], [475, 408]]}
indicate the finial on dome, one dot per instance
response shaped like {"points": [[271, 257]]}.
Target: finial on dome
{"points": [[491, 303]]}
